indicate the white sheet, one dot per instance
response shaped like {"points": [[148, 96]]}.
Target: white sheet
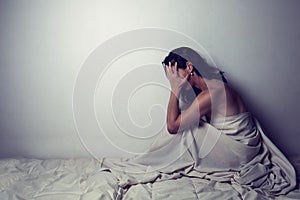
{"points": [[242, 156], [55, 179], [74, 179]]}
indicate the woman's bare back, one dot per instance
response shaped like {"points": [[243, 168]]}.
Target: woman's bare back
{"points": [[225, 101]]}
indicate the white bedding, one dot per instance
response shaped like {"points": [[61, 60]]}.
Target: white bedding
{"points": [[54, 179], [81, 179], [232, 151]]}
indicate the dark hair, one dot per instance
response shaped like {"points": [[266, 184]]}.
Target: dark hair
{"points": [[182, 55]]}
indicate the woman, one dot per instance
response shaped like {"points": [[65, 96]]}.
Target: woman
{"points": [[242, 154], [229, 147], [186, 69]]}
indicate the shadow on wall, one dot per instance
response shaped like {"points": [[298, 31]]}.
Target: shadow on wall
{"points": [[11, 146], [264, 114]]}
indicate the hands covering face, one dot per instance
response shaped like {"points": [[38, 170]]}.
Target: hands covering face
{"points": [[176, 81]]}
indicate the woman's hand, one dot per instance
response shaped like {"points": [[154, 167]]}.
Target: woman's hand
{"points": [[176, 81]]}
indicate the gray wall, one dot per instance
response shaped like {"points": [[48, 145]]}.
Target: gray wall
{"points": [[43, 45]]}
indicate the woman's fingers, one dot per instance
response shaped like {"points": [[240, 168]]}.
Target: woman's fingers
{"points": [[170, 67], [176, 69], [175, 66], [173, 70], [169, 70]]}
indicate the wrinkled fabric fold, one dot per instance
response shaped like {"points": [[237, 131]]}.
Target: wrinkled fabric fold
{"points": [[233, 149]]}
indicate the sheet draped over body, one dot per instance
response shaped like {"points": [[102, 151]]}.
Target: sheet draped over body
{"points": [[231, 150]]}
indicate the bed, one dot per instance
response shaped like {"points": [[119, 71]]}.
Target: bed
{"points": [[81, 178]]}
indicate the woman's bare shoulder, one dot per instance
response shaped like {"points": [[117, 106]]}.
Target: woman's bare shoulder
{"points": [[235, 103], [227, 100]]}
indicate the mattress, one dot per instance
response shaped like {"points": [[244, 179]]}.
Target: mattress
{"points": [[81, 178]]}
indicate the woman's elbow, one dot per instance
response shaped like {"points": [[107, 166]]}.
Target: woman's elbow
{"points": [[172, 129]]}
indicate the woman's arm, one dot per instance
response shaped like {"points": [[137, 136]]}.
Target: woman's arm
{"points": [[177, 121], [173, 113]]}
